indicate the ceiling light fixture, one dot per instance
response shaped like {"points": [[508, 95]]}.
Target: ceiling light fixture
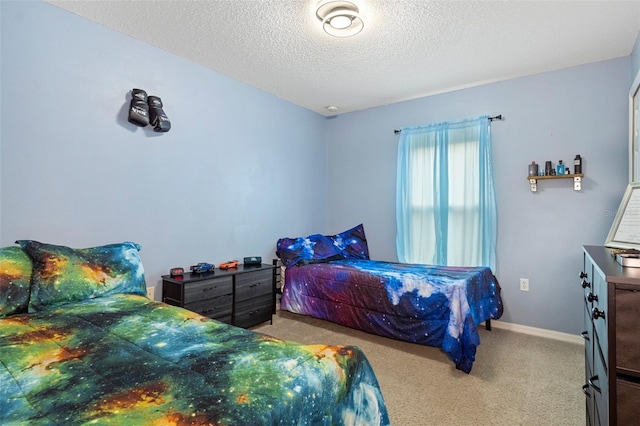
{"points": [[340, 18]]}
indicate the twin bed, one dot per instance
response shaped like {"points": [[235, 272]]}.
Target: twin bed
{"points": [[331, 277], [81, 344]]}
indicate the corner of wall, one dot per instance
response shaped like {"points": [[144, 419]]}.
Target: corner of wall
{"points": [[635, 57]]}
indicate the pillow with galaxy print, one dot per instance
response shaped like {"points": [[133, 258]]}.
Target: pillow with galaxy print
{"points": [[317, 248], [352, 243], [314, 248], [15, 280], [63, 274]]}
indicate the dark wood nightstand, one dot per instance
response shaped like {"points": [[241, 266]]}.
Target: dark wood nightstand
{"points": [[242, 296]]}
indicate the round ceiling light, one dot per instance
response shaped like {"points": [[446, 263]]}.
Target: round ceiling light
{"points": [[340, 18]]}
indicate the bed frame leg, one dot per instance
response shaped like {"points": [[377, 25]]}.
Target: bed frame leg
{"points": [[487, 324]]}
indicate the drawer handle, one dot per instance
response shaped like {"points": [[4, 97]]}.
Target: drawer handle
{"points": [[585, 390], [596, 388], [206, 311], [585, 335], [252, 313], [596, 313], [208, 289], [255, 285], [592, 297], [584, 275], [585, 284]]}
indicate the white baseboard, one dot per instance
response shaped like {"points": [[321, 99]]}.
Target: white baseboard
{"points": [[540, 332]]}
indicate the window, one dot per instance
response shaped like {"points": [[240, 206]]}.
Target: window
{"points": [[445, 199]]}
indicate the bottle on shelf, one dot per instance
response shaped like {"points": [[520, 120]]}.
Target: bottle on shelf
{"points": [[533, 169], [548, 168], [577, 164], [559, 168]]}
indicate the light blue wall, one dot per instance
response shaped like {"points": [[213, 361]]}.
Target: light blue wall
{"points": [[239, 168], [551, 116]]}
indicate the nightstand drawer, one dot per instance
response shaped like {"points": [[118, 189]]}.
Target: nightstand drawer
{"points": [[213, 308], [207, 289], [254, 284], [253, 311]]}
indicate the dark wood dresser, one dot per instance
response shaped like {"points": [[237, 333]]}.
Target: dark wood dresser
{"points": [[612, 338], [242, 296]]}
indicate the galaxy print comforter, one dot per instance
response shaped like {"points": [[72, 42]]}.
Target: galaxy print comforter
{"points": [[430, 305], [124, 359]]}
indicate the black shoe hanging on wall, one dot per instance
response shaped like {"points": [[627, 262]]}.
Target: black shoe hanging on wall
{"points": [[139, 109], [157, 118]]}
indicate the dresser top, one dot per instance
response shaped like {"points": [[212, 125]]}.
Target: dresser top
{"points": [[217, 273], [604, 259]]}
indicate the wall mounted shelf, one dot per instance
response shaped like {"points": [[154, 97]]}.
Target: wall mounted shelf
{"points": [[577, 180]]}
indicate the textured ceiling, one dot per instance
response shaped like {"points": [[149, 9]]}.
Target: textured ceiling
{"points": [[408, 48]]}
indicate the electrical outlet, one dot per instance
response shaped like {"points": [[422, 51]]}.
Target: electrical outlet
{"points": [[524, 284], [151, 293]]}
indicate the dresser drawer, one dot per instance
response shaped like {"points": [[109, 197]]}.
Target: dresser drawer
{"points": [[628, 399], [588, 337], [207, 289], [213, 308], [599, 314], [628, 330], [600, 385], [242, 296], [254, 284], [253, 311], [586, 276]]}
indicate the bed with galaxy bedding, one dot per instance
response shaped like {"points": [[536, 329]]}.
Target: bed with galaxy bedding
{"points": [[80, 344], [331, 277]]}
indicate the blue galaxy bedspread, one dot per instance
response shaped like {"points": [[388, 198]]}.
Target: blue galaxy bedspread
{"points": [[81, 344], [431, 305], [124, 359]]}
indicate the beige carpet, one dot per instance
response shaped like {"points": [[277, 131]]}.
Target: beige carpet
{"points": [[516, 379]]}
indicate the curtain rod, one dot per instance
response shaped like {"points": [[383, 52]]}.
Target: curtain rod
{"points": [[495, 117]]}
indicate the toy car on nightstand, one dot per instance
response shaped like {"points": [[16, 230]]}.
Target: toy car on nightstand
{"points": [[228, 265], [202, 267]]}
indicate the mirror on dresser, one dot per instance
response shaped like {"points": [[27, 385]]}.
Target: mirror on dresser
{"points": [[625, 230], [634, 130]]}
